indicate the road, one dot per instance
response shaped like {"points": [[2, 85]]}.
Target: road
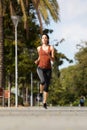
{"points": [[37, 118]]}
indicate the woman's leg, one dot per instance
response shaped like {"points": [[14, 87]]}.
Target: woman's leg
{"points": [[41, 88], [47, 76], [42, 81], [45, 95]]}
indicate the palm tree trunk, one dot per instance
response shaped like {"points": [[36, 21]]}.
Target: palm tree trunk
{"points": [[1, 53], [27, 24], [36, 4], [40, 21]]}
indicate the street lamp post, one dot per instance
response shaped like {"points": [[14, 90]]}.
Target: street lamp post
{"points": [[31, 97], [15, 20]]}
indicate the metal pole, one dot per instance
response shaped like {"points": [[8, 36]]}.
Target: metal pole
{"points": [[15, 20], [31, 89], [16, 69]]}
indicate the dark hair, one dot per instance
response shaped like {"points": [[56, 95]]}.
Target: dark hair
{"points": [[46, 36]]}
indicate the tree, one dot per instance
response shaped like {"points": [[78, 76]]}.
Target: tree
{"points": [[73, 79], [1, 46], [81, 58]]}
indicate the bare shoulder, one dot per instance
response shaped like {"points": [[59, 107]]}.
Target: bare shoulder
{"points": [[38, 48], [51, 48]]}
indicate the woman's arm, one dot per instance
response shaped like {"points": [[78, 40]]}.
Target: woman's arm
{"points": [[52, 53], [37, 61]]}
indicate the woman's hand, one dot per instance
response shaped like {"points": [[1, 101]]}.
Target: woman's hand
{"points": [[36, 62]]}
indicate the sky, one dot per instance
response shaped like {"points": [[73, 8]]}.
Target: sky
{"points": [[72, 27]]}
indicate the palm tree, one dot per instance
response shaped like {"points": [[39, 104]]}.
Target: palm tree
{"points": [[47, 7], [43, 8]]}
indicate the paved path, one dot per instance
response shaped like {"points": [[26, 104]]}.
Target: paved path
{"points": [[37, 118]]}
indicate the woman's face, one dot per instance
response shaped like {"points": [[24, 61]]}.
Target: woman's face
{"points": [[44, 39]]}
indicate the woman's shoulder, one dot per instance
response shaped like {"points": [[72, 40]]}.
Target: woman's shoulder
{"points": [[38, 48], [51, 47]]}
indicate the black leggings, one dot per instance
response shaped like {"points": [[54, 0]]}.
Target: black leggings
{"points": [[45, 76]]}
